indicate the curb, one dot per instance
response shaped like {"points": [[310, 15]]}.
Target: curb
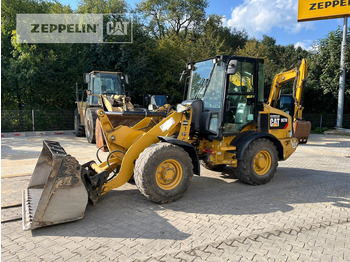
{"points": [[339, 132], [38, 133]]}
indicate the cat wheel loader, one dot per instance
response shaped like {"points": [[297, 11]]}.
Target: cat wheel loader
{"points": [[223, 121], [106, 90]]}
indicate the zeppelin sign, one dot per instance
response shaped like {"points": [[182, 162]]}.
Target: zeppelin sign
{"points": [[322, 9]]}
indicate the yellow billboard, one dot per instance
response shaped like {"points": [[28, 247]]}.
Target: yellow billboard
{"points": [[322, 9]]}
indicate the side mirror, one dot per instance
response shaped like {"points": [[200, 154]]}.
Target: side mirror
{"points": [[232, 67], [86, 77], [182, 75], [125, 78]]}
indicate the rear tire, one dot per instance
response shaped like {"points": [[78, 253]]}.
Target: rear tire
{"points": [[78, 127], [90, 124], [216, 168], [259, 163], [163, 172]]}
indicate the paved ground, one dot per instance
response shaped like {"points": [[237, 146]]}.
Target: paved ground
{"points": [[302, 214]]}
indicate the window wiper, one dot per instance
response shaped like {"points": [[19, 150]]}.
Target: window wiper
{"points": [[204, 86]]}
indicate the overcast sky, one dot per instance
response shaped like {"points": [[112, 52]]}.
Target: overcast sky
{"points": [[276, 18]]}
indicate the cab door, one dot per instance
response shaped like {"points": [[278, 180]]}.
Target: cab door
{"points": [[240, 100]]}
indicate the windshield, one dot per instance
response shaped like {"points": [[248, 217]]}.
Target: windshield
{"points": [[207, 82], [106, 84]]}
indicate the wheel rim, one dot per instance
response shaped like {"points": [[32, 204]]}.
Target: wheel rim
{"points": [[262, 162], [169, 174]]}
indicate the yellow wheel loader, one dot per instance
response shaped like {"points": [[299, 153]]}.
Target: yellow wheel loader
{"points": [[223, 121], [106, 90]]}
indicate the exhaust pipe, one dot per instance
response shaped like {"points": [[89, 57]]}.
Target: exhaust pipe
{"points": [[56, 192]]}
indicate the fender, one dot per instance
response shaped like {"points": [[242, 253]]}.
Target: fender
{"points": [[242, 141], [190, 149]]}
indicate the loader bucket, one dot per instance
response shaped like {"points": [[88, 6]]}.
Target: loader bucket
{"points": [[125, 120], [56, 192]]}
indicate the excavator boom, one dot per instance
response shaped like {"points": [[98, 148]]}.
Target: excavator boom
{"points": [[301, 128], [299, 76]]}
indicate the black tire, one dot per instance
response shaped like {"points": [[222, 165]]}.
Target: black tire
{"points": [[248, 168], [90, 124], [78, 127], [172, 160], [131, 180], [216, 168]]}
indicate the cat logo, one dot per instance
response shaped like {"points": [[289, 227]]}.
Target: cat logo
{"points": [[117, 28], [274, 121], [278, 122]]}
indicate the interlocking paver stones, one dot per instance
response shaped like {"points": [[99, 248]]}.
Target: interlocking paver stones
{"points": [[303, 214]]}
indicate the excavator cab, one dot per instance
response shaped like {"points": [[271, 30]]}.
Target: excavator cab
{"points": [[286, 104]]}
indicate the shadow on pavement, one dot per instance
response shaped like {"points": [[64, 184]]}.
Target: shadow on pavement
{"points": [[8, 153], [128, 214]]}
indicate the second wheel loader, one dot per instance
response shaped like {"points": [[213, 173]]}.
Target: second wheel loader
{"points": [[223, 121], [106, 90]]}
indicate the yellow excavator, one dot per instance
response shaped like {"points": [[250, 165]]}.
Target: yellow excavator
{"points": [[221, 123], [292, 104]]}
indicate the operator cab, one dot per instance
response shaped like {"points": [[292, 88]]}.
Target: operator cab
{"points": [[100, 82], [286, 104], [229, 88]]}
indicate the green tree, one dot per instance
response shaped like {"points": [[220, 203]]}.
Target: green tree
{"points": [[324, 73], [102, 6], [23, 64], [167, 17]]}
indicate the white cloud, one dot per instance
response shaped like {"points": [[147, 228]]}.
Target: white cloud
{"points": [[258, 17], [309, 45]]}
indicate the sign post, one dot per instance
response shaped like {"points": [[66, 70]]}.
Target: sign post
{"points": [[309, 10], [342, 77]]}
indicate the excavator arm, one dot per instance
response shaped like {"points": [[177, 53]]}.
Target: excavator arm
{"points": [[299, 76], [301, 128]]}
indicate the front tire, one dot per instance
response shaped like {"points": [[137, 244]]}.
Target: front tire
{"points": [[259, 163], [78, 127], [90, 124], [163, 172]]}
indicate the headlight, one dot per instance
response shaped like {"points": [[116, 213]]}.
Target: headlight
{"points": [[181, 108]]}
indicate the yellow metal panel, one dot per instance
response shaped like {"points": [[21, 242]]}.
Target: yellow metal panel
{"points": [[166, 127], [322, 9], [219, 151]]}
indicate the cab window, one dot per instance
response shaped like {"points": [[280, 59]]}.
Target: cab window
{"points": [[240, 98]]}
